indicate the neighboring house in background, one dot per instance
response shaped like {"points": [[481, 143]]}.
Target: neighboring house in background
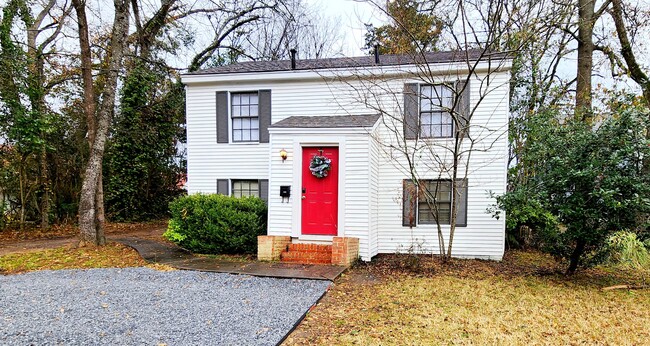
{"points": [[241, 117]]}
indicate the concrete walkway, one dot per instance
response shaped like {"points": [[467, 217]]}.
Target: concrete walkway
{"points": [[176, 257]]}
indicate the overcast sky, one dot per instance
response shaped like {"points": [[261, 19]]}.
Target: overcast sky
{"points": [[352, 14]]}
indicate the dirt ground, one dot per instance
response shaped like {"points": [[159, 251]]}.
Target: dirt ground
{"points": [[66, 235]]}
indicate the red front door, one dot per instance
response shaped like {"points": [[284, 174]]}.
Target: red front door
{"points": [[320, 195]]}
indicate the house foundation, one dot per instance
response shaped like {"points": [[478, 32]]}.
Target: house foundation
{"points": [[269, 247], [343, 251]]}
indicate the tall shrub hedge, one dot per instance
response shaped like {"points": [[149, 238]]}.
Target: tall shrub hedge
{"points": [[217, 224]]}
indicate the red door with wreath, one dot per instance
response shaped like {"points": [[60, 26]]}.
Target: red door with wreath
{"points": [[320, 194]]}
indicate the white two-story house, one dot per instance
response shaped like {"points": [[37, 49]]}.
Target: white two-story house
{"points": [[334, 145]]}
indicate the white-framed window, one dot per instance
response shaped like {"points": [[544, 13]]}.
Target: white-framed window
{"points": [[436, 102], [434, 202], [244, 111], [244, 188]]}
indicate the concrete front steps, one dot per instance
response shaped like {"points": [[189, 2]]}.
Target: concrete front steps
{"points": [[343, 251], [307, 254]]}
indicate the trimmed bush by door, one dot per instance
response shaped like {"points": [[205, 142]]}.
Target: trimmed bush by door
{"points": [[217, 224]]}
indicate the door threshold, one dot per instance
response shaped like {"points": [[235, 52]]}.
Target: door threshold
{"points": [[314, 238]]}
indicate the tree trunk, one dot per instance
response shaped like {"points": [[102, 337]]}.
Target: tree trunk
{"points": [[45, 184], [21, 182], [99, 208], [91, 208], [635, 71], [36, 93], [575, 256], [585, 59]]}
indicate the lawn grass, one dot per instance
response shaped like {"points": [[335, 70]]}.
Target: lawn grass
{"points": [[523, 300], [113, 255]]}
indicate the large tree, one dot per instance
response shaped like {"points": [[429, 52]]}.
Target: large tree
{"points": [[91, 204], [413, 27]]}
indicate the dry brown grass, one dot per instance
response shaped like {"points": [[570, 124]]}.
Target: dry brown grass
{"points": [[523, 300], [113, 255]]}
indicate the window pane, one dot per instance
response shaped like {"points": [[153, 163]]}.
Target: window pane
{"points": [[246, 136], [425, 90], [446, 119], [425, 131], [444, 212], [436, 118], [245, 124], [236, 99], [425, 103], [236, 111], [445, 92], [425, 118], [426, 216], [237, 135], [255, 123], [445, 131], [253, 99], [236, 124], [255, 135], [444, 191], [244, 99], [448, 103], [253, 110]]}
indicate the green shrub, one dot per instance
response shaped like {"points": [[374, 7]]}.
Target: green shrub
{"points": [[528, 223], [217, 224], [624, 249]]}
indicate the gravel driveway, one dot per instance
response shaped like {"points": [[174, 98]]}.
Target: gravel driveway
{"points": [[147, 307]]}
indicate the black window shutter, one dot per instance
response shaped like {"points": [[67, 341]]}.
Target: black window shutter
{"points": [[462, 106], [461, 202], [411, 111], [265, 114], [409, 203], [222, 117], [222, 186], [264, 190]]}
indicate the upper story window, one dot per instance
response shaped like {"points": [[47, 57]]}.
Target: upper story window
{"points": [[245, 117], [436, 102]]}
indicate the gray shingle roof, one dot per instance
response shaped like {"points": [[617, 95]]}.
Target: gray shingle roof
{"points": [[328, 121], [351, 62]]}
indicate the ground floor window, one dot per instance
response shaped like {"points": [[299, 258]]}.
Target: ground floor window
{"points": [[242, 188], [434, 201]]}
